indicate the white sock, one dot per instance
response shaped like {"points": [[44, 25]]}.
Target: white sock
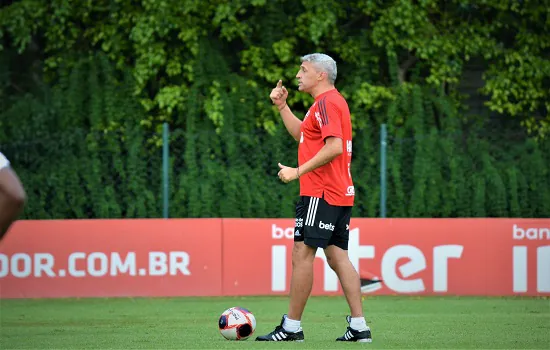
{"points": [[291, 326], [358, 323]]}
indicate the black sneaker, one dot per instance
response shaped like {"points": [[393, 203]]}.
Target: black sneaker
{"points": [[356, 336], [279, 334], [369, 282]]}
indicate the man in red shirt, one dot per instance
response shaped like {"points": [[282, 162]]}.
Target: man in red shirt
{"points": [[323, 212], [12, 195]]}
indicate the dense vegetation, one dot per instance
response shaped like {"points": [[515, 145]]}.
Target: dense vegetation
{"points": [[87, 85]]}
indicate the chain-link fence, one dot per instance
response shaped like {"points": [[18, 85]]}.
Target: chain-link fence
{"points": [[187, 174], [89, 174], [466, 174]]}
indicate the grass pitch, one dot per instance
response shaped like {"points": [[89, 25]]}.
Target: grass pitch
{"points": [[191, 323]]}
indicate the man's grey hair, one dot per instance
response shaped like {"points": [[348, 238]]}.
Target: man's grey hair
{"points": [[324, 63]]}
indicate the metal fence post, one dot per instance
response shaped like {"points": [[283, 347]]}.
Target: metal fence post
{"points": [[383, 172], [165, 169]]}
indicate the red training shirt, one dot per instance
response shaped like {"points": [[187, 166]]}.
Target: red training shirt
{"points": [[328, 116]]}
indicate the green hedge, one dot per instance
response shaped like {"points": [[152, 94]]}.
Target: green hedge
{"points": [[80, 154]]}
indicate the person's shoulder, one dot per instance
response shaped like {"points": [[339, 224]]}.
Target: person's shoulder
{"points": [[336, 97]]}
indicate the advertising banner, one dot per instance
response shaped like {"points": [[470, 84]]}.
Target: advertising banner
{"points": [[399, 256], [232, 257], [109, 258]]}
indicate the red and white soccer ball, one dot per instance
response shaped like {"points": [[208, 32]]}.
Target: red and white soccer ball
{"points": [[237, 323]]}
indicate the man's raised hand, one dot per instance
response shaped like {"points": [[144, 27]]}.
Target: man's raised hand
{"points": [[278, 95]]}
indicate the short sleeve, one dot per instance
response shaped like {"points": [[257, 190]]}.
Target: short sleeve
{"points": [[4, 162], [331, 119]]}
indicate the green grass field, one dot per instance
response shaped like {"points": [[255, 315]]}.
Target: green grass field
{"points": [[179, 323]]}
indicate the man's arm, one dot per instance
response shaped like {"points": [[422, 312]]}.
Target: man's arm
{"points": [[333, 148], [292, 123], [278, 96], [12, 198]]}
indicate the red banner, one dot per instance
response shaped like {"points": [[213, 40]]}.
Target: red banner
{"points": [[401, 256], [108, 258], [183, 257]]}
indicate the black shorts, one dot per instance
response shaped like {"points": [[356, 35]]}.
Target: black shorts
{"points": [[319, 224]]}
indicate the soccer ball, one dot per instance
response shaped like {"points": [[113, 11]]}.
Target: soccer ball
{"points": [[237, 323]]}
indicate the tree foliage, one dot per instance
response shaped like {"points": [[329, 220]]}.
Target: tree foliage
{"points": [[92, 82], [259, 41]]}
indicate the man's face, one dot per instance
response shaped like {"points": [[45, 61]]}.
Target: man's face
{"points": [[308, 77]]}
